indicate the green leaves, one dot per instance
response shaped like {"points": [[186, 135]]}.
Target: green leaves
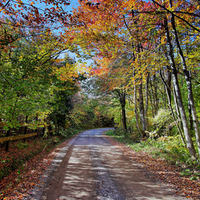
{"points": [[28, 83]]}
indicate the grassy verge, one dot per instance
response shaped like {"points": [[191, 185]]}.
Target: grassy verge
{"points": [[169, 148]]}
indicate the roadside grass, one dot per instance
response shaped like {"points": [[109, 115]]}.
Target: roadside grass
{"points": [[169, 148], [20, 152]]}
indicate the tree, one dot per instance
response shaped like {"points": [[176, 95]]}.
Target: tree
{"points": [[65, 87], [29, 81]]}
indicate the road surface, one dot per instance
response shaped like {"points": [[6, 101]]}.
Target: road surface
{"points": [[90, 168]]}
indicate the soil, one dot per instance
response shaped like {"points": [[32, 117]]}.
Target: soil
{"points": [[91, 168]]}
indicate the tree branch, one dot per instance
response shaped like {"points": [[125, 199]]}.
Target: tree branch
{"points": [[172, 13]]}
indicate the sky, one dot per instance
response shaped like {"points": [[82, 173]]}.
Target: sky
{"points": [[73, 4], [68, 8]]}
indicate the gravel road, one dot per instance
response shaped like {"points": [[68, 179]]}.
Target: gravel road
{"points": [[90, 168]]}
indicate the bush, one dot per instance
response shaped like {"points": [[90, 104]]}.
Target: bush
{"points": [[163, 121], [169, 147]]}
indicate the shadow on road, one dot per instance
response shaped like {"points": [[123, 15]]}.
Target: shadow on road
{"points": [[91, 168]]}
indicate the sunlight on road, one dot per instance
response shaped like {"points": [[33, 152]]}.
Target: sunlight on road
{"points": [[91, 168]]}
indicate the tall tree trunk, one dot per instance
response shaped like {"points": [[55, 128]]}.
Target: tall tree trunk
{"points": [[138, 48], [122, 100], [177, 108], [190, 117], [167, 85], [136, 112], [155, 94], [141, 107], [146, 101], [123, 104], [189, 106], [152, 99], [188, 82], [170, 55], [189, 142], [168, 82], [168, 92]]}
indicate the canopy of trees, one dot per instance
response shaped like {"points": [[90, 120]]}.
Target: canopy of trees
{"points": [[146, 63]]}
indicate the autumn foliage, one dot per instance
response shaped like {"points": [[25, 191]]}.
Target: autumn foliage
{"points": [[158, 40], [145, 60]]}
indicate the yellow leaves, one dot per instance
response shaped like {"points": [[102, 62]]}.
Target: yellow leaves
{"points": [[129, 5], [130, 111], [59, 60], [21, 58], [66, 73], [83, 68], [42, 115], [67, 124]]}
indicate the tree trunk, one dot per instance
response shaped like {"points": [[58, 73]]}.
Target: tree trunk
{"points": [[177, 108], [168, 92], [123, 104], [155, 94], [189, 84], [167, 87], [141, 106], [190, 117], [152, 99], [136, 112], [168, 82], [146, 101], [170, 55], [122, 99]]}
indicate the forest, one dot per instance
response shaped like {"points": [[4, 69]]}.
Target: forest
{"points": [[143, 80]]}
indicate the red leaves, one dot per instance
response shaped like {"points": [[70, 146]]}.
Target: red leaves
{"points": [[31, 14], [13, 159], [19, 185]]}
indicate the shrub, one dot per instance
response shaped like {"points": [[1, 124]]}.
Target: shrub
{"points": [[163, 121]]}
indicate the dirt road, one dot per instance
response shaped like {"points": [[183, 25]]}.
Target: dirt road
{"points": [[91, 168]]}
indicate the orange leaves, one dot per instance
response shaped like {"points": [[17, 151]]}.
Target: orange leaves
{"points": [[18, 184], [110, 73]]}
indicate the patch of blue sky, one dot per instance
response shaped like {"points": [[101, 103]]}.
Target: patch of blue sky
{"points": [[55, 27]]}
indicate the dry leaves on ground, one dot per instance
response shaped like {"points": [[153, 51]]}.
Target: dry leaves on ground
{"points": [[161, 170], [18, 185]]}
